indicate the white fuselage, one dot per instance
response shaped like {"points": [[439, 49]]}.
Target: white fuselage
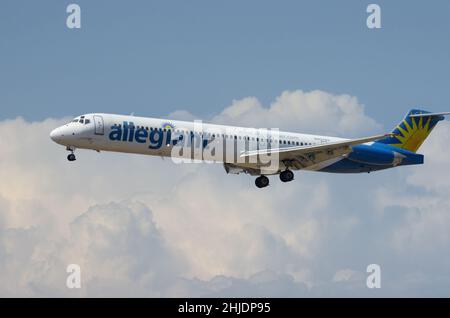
{"points": [[161, 137]]}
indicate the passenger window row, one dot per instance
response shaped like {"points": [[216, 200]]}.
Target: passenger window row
{"points": [[213, 135]]}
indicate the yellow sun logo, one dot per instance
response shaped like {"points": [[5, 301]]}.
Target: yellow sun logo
{"points": [[168, 126], [412, 135]]}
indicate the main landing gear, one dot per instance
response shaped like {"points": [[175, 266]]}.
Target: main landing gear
{"points": [[262, 182], [71, 156], [286, 176]]}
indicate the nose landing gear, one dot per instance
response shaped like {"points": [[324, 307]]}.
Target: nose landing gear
{"points": [[71, 156]]}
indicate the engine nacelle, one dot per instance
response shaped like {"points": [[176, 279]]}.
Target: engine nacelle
{"points": [[375, 155]]}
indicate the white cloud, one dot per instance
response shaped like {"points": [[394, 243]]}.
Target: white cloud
{"points": [[145, 226], [426, 217], [316, 112], [436, 161], [118, 246], [182, 115], [345, 275]]}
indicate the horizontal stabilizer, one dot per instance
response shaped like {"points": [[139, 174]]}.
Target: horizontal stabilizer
{"points": [[429, 114]]}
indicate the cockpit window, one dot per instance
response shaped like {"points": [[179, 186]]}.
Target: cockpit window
{"points": [[81, 120]]}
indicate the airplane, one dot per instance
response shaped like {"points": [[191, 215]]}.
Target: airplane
{"points": [[258, 152]]}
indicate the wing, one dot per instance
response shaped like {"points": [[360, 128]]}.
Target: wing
{"points": [[308, 157]]}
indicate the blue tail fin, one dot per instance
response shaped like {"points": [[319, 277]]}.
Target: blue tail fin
{"points": [[412, 131]]}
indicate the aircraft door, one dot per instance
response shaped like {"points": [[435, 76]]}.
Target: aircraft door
{"points": [[99, 126]]}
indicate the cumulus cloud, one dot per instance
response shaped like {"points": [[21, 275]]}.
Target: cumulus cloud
{"points": [[117, 245], [143, 226], [422, 201], [313, 112]]}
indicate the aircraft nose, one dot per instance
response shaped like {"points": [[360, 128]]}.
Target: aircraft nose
{"points": [[56, 135], [53, 135]]}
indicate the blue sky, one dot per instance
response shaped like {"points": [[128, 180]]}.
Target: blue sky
{"points": [[154, 57], [142, 226]]}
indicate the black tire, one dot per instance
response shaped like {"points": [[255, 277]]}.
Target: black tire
{"points": [[71, 157], [286, 176], [262, 182]]}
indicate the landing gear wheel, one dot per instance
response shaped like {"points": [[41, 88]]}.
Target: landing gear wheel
{"points": [[262, 181], [71, 157], [286, 176]]}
